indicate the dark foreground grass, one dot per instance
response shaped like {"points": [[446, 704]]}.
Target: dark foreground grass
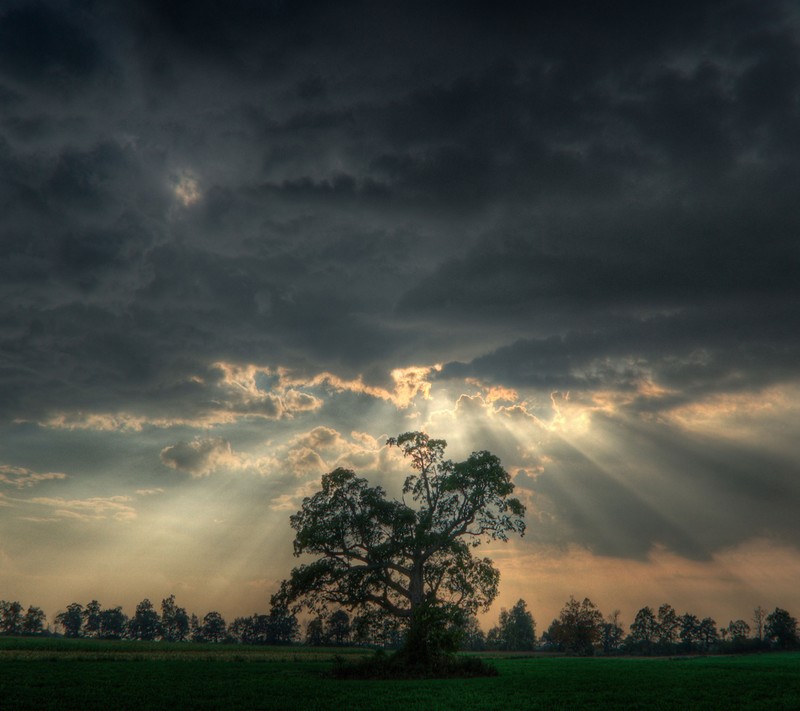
{"points": [[152, 677]]}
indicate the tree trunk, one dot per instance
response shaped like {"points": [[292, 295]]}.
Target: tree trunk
{"points": [[415, 649]]}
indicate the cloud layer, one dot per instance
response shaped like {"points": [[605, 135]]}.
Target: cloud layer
{"points": [[242, 245]]}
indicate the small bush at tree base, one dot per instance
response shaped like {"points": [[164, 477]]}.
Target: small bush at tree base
{"points": [[396, 666]]}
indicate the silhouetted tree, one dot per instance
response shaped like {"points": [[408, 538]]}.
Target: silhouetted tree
{"points": [[338, 631], [71, 620], [258, 630], [759, 614], [707, 633], [472, 637], [374, 628], [34, 621], [689, 632], [213, 628], [194, 628], [414, 563], [91, 619], [282, 625], [315, 631], [737, 634], [738, 630], [113, 623], [515, 630], [10, 617], [644, 630], [145, 623], [667, 627], [611, 634], [278, 627], [174, 621], [577, 629], [781, 629]]}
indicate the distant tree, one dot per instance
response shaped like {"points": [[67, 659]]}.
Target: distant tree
{"points": [[516, 629], [315, 631], [738, 630], [145, 623], [578, 627], [174, 621], [34, 621], [667, 626], [689, 631], [237, 628], [91, 619], [738, 635], [644, 630], [611, 633], [375, 629], [759, 615], [707, 633], [213, 628], [282, 625], [10, 617], [71, 620], [781, 629], [338, 631], [258, 630], [194, 628], [413, 562], [472, 637], [113, 623]]}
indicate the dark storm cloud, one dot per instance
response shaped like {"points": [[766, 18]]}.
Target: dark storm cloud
{"points": [[360, 186], [48, 46], [719, 348]]}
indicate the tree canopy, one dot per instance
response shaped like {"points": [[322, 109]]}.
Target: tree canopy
{"points": [[411, 559]]}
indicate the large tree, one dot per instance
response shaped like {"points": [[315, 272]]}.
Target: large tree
{"points": [[410, 560]]}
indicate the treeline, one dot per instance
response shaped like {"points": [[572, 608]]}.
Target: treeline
{"points": [[14, 619], [581, 629], [171, 624]]}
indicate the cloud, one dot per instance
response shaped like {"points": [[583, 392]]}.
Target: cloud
{"points": [[408, 383], [22, 478], [566, 234], [149, 492], [228, 394], [320, 438], [199, 457], [92, 509]]}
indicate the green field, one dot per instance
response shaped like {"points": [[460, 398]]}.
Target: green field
{"points": [[46, 674]]}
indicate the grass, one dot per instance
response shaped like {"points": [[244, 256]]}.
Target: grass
{"points": [[83, 674]]}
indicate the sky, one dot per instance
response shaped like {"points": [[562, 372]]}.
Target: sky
{"points": [[243, 243]]}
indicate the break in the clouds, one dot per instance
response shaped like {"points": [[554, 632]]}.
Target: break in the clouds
{"points": [[241, 245]]}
